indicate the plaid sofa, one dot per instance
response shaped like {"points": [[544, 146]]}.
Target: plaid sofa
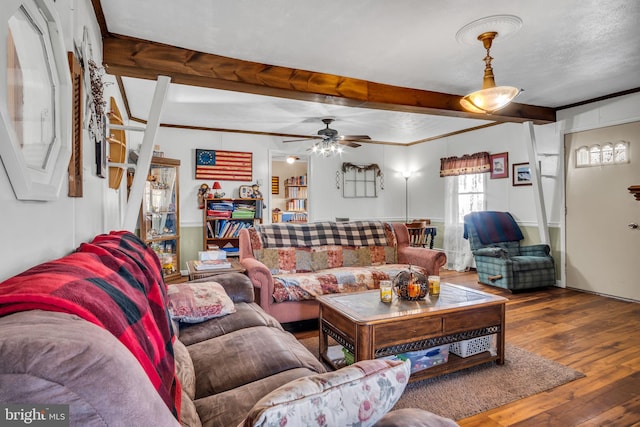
{"points": [[501, 261], [290, 264]]}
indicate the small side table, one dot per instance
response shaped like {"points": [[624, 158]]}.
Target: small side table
{"points": [[194, 274]]}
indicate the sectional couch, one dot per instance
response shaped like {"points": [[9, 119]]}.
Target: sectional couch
{"points": [[290, 264], [99, 331]]}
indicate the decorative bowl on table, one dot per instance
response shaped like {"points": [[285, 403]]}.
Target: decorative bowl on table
{"points": [[411, 285]]}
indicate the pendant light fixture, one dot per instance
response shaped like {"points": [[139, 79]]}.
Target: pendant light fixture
{"points": [[490, 98]]}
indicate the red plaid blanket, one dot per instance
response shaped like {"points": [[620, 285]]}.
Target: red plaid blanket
{"points": [[116, 283]]}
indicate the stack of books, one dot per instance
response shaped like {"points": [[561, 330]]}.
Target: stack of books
{"points": [[212, 254], [212, 264], [220, 209], [244, 210]]}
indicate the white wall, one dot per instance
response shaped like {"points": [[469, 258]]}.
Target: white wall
{"points": [[181, 144], [428, 187], [326, 200]]}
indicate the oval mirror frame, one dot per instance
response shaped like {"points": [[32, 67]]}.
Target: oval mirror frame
{"points": [[31, 179]]}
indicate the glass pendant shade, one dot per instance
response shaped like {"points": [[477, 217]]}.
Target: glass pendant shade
{"points": [[490, 99]]}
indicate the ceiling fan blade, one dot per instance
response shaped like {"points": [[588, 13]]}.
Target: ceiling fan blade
{"points": [[300, 140], [354, 137], [349, 144]]}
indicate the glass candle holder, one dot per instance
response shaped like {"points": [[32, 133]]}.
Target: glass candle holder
{"points": [[386, 294], [434, 285]]}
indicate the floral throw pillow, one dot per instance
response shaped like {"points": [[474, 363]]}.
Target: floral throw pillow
{"points": [[196, 302], [357, 395]]}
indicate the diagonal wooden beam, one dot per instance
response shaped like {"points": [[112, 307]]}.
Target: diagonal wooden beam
{"points": [[146, 152], [131, 57]]}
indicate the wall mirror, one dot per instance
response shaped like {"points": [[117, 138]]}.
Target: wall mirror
{"points": [[36, 111]]}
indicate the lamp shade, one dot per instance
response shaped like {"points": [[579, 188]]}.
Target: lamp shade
{"points": [[489, 100], [217, 186]]}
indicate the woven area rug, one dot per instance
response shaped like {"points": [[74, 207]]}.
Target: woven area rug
{"points": [[480, 388]]}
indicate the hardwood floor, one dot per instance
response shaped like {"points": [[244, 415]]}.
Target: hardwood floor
{"points": [[595, 335]]}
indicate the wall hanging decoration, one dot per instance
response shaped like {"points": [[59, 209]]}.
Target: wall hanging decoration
{"points": [[275, 185], [360, 180], [224, 165], [35, 123], [117, 145], [521, 174], [499, 165], [77, 99], [97, 126]]}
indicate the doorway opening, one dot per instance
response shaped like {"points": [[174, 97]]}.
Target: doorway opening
{"points": [[289, 188]]}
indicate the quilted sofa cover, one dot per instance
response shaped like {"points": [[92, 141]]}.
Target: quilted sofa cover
{"points": [[294, 263]]}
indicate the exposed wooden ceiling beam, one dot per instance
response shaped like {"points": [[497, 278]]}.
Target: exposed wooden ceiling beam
{"points": [[131, 57]]}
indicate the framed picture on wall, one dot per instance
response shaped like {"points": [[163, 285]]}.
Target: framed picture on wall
{"points": [[521, 174], [500, 165]]}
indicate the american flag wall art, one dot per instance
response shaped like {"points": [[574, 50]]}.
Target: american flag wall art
{"points": [[224, 165]]}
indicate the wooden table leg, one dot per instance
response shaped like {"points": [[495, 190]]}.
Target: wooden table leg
{"points": [[501, 335], [322, 336]]}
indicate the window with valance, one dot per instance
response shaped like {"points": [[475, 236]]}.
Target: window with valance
{"points": [[464, 193], [465, 165]]}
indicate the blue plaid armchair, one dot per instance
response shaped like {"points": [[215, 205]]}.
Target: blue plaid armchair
{"points": [[495, 238]]}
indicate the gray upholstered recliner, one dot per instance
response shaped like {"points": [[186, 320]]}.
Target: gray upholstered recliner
{"points": [[501, 261]]}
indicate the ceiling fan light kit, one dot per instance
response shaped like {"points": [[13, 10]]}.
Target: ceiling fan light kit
{"points": [[332, 142], [490, 98], [326, 148]]}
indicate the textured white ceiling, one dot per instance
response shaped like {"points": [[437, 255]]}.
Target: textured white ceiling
{"points": [[567, 51]]}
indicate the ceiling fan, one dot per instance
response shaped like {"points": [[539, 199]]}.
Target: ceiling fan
{"points": [[329, 135]]}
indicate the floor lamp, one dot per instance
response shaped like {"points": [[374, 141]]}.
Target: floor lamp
{"points": [[406, 175]]}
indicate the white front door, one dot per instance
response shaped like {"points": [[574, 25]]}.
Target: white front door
{"points": [[602, 251]]}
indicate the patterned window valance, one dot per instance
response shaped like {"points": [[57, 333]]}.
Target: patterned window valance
{"points": [[467, 164]]}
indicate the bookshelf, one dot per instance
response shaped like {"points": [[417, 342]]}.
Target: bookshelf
{"points": [[295, 189], [224, 218]]}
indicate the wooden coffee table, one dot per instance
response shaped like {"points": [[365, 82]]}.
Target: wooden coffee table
{"points": [[368, 328]]}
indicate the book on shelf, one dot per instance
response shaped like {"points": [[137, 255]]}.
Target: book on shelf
{"points": [[232, 251], [212, 264], [229, 229], [218, 214], [296, 180], [221, 206], [243, 214]]}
